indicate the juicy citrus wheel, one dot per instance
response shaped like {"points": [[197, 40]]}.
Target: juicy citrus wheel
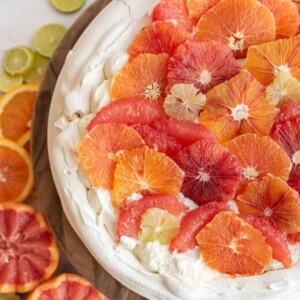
{"points": [[159, 37], [259, 156], [192, 223], [238, 106], [288, 112], [212, 173], [16, 108], [8, 82], [66, 287], [145, 170], [237, 24], [24, 140], [28, 251], [232, 246], [67, 6], [16, 178], [97, 151], [266, 61], [274, 200], [204, 64], [294, 238], [35, 76]]}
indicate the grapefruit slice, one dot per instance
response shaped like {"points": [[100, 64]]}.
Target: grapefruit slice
{"points": [[232, 246], [192, 223], [28, 251], [24, 140], [97, 151], [237, 24], [204, 64], [238, 106]]}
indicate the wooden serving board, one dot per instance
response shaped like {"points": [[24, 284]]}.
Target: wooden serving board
{"points": [[69, 242]]}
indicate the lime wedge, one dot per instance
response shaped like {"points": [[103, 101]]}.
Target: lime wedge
{"points": [[8, 82], [67, 6], [47, 38], [36, 75], [9, 297], [18, 60]]}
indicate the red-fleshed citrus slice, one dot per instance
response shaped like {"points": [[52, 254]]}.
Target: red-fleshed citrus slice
{"points": [[237, 24], [294, 238], [127, 112], [259, 156], [288, 112], [145, 170], [192, 223], [28, 251], [212, 173], [273, 199], [97, 151], [204, 64], [130, 217], [66, 287], [24, 140], [159, 37], [232, 246], [238, 106], [266, 61], [173, 10], [274, 238]]}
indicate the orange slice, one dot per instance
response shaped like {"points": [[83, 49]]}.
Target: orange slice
{"points": [[24, 140], [238, 106], [237, 24], [16, 108], [274, 200], [145, 170], [16, 178], [266, 61], [97, 151], [232, 246]]}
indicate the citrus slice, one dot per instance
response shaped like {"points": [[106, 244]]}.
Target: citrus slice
{"points": [[97, 151], [16, 108], [16, 178], [192, 223], [238, 106], [67, 6], [130, 217], [18, 60], [272, 199], [232, 246], [259, 156], [24, 140], [159, 37], [289, 111], [8, 82], [28, 251], [294, 238], [145, 170], [250, 23], [184, 102], [66, 287], [36, 75], [158, 225], [266, 61], [47, 38], [173, 10], [204, 64], [212, 173]]}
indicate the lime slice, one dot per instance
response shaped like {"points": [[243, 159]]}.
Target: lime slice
{"points": [[9, 297], [47, 38], [36, 75], [18, 60], [8, 82], [67, 6]]}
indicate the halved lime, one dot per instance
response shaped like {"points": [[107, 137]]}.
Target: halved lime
{"points": [[47, 38], [9, 297], [67, 6], [7, 82], [18, 60], [35, 76]]}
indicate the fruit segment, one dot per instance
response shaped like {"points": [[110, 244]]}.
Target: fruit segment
{"points": [[231, 246], [236, 107], [289, 112], [294, 238]]}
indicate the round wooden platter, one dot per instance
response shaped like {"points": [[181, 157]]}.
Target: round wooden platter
{"points": [[69, 242]]}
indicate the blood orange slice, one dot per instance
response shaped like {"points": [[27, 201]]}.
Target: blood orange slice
{"points": [[212, 173], [294, 238], [237, 24], [232, 246], [28, 251], [66, 287], [238, 106], [289, 112], [24, 140], [192, 223], [204, 64], [159, 37], [97, 151]]}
